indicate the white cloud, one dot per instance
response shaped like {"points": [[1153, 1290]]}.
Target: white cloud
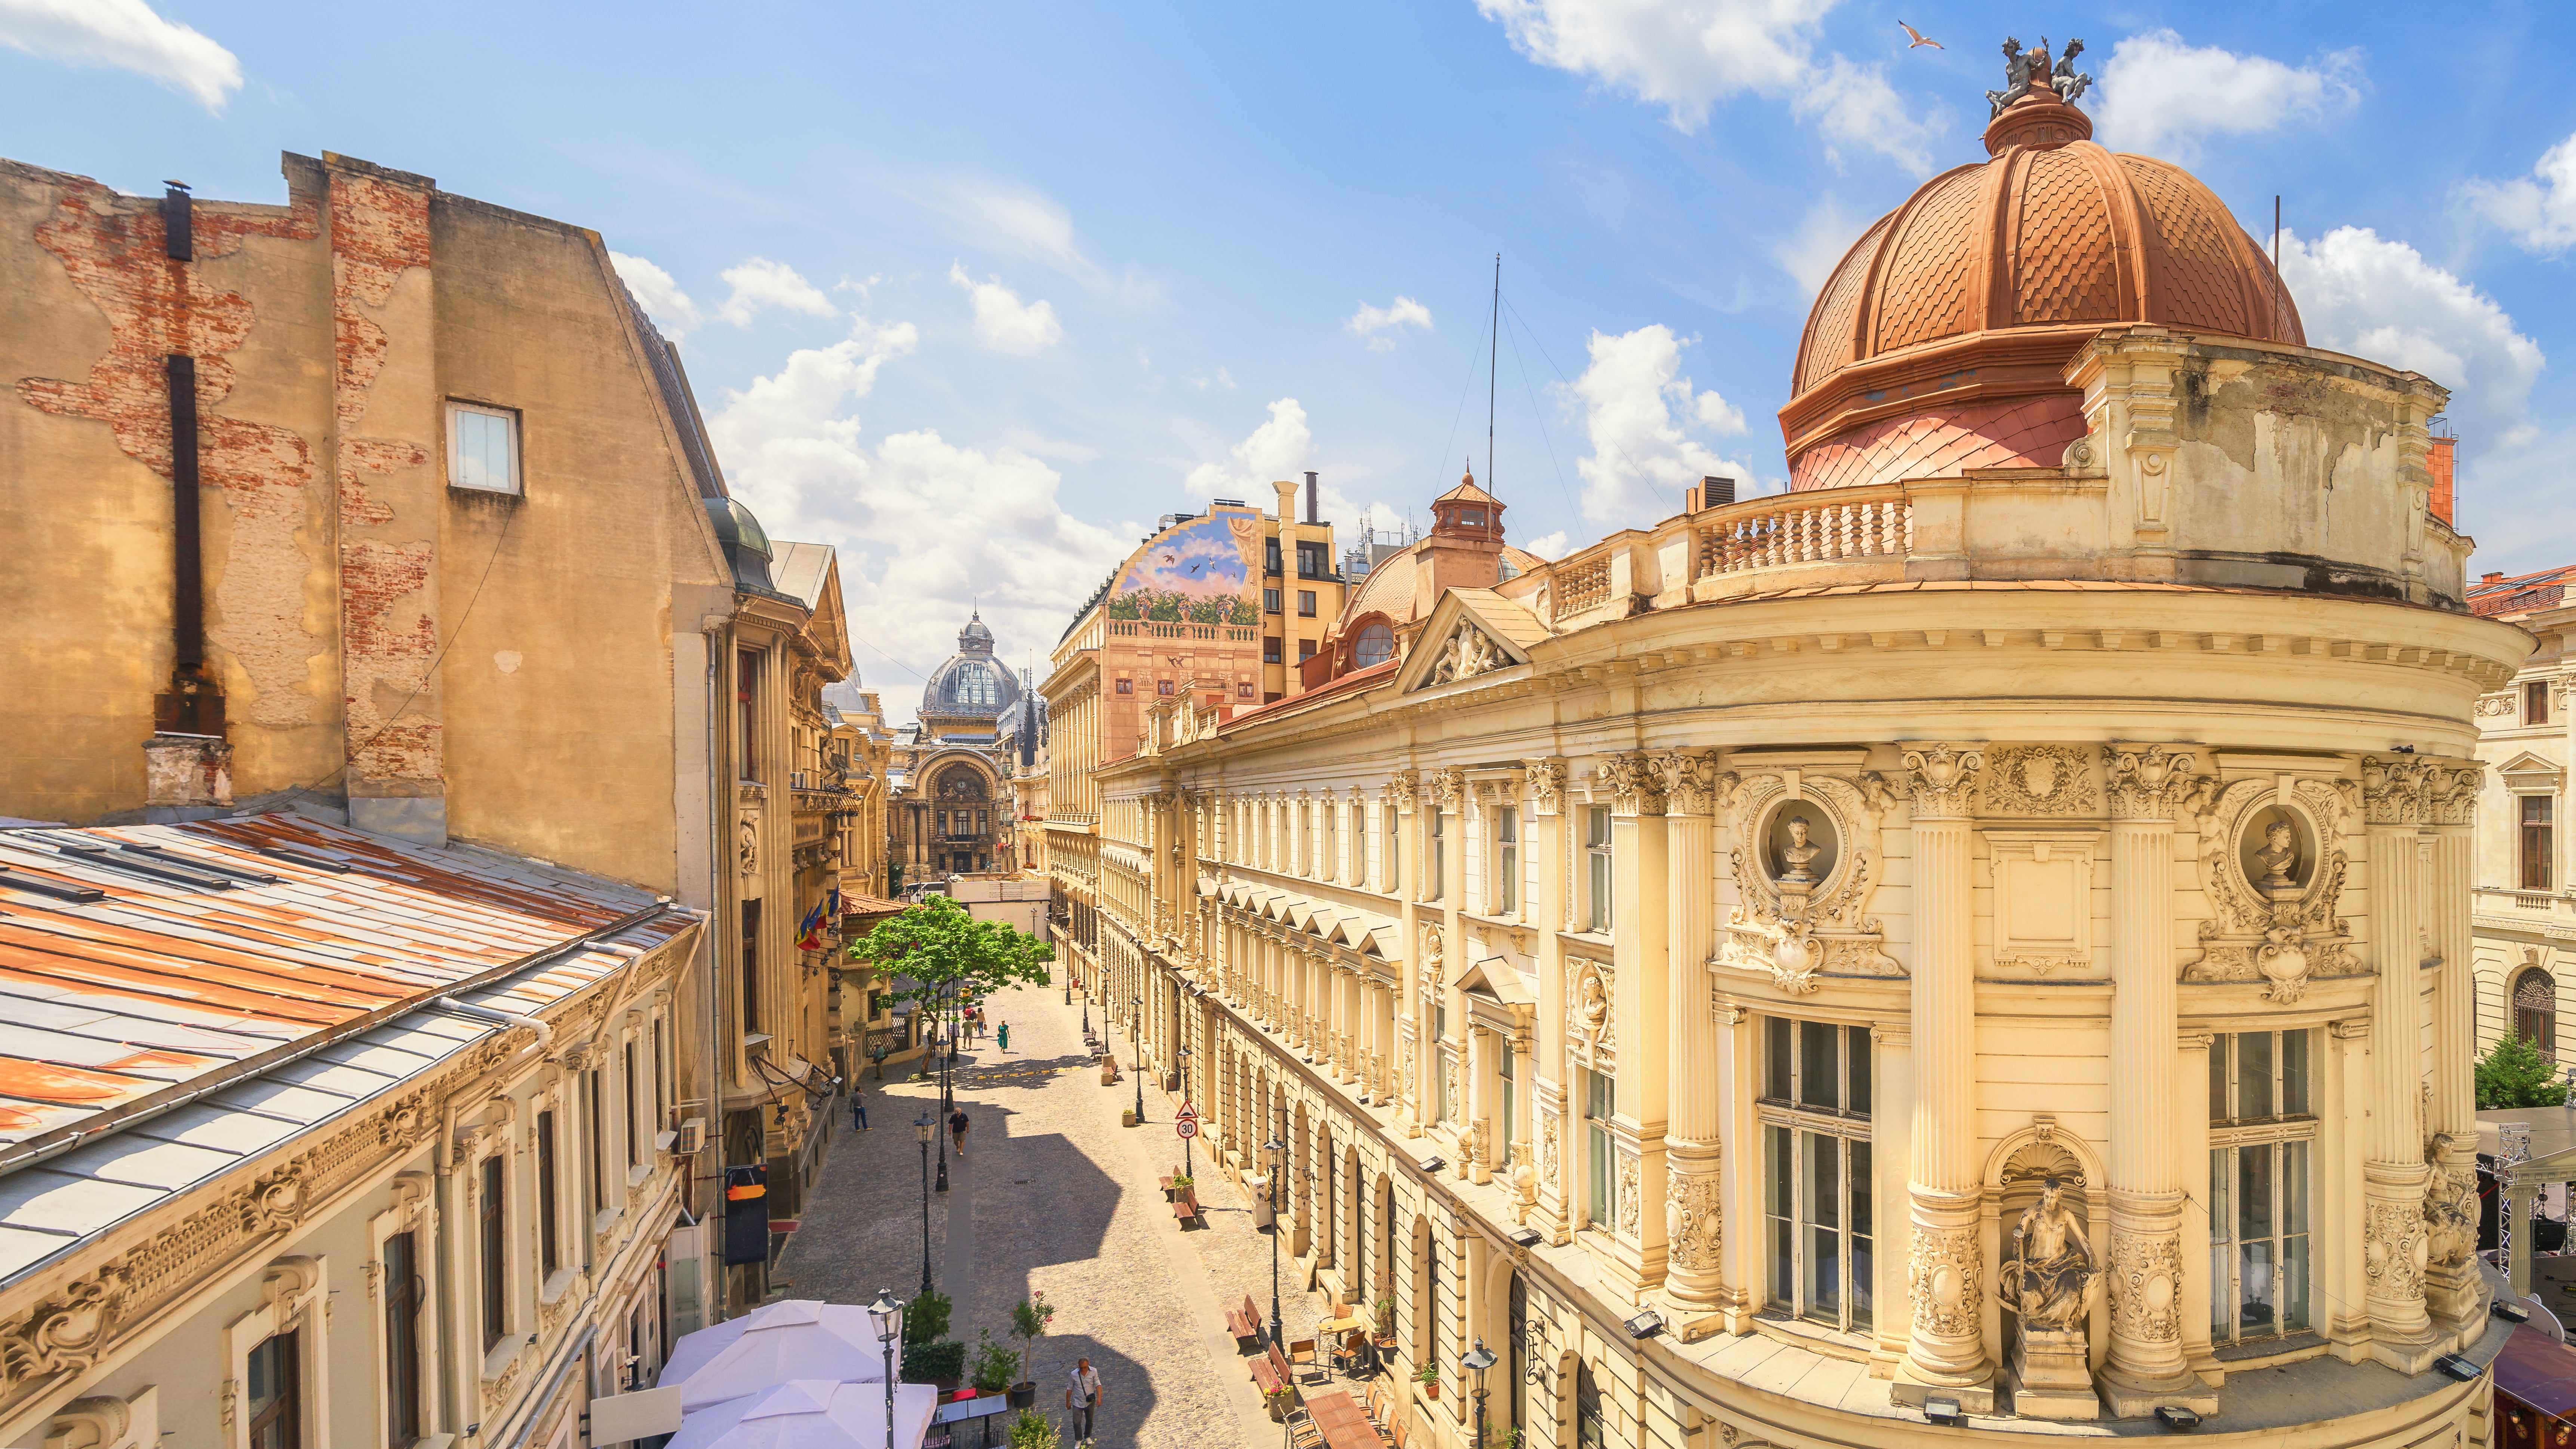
{"points": [[1689, 55], [2380, 299], [1007, 323], [757, 285], [1810, 252], [1380, 324], [1017, 221], [1277, 450], [127, 34], [1642, 416], [1223, 380], [1547, 545], [926, 528], [2540, 210], [2159, 94]]}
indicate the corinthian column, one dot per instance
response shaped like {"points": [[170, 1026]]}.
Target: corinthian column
{"points": [[2147, 1368], [1639, 996], [2395, 795], [1694, 1228], [2454, 1293], [1546, 842], [1945, 1272]]}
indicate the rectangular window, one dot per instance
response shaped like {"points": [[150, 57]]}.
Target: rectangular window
{"points": [[1243, 690], [549, 1243], [1438, 875], [1394, 848], [2537, 844], [1306, 603], [1818, 1203], [661, 1085], [590, 1139], [1305, 650], [1270, 559], [403, 1297], [2535, 702], [1332, 838], [1596, 859], [276, 1393], [746, 688], [1162, 686], [750, 967], [482, 448], [634, 1123], [1507, 861], [1270, 601], [2262, 1123], [1126, 686], [1439, 1082], [493, 1243], [1505, 1109], [1600, 1104], [1269, 650], [1310, 561]]}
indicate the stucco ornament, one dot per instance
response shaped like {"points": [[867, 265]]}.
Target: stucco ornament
{"points": [[1942, 1276], [1690, 781], [1633, 784], [1449, 788], [1466, 653], [1403, 788], [1799, 931], [2394, 1248], [2146, 1286], [1945, 778], [1547, 1148], [1588, 1016], [1546, 785], [1693, 1225], [2040, 780], [1627, 1197], [747, 845], [2147, 781], [1431, 954], [68, 1333], [2274, 893], [2450, 1207], [1524, 1179]]}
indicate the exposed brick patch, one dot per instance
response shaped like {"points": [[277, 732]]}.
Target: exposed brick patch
{"points": [[114, 251]]}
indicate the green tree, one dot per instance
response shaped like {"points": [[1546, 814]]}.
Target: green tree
{"points": [[951, 956], [2513, 1073]]}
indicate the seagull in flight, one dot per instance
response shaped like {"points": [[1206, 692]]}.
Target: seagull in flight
{"points": [[1919, 38]]}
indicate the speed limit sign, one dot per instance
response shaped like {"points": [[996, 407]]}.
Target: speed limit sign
{"points": [[1186, 1127]]}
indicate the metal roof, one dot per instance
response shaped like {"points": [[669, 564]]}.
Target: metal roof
{"points": [[177, 998]]}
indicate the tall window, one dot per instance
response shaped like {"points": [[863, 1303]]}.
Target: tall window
{"points": [[1306, 603], [1332, 817], [276, 1394], [1600, 1104], [549, 1245], [2536, 841], [1439, 1064], [2535, 1011], [493, 1242], [2535, 702], [634, 1119], [1589, 1432], [750, 967], [1439, 872], [1817, 1202], [1505, 1107], [2262, 1120], [746, 690], [1394, 848], [661, 1086], [1431, 1288], [1507, 861], [403, 1296], [1596, 860], [598, 1163]]}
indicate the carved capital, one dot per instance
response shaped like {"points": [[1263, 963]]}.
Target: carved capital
{"points": [[1691, 782], [2396, 790], [1944, 779], [2148, 781], [1403, 787], [1632, 783], [1546, 785], [1449, 787]]}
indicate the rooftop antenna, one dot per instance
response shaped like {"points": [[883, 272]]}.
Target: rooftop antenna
{"points": [[1494, 342], [2274, 324]]}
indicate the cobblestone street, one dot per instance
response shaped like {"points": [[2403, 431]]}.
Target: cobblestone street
{"points": [[1054, 1196]]}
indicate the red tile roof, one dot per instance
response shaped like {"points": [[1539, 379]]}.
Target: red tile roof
{"points": [[2521, 593]]}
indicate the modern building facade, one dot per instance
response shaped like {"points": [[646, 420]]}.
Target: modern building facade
{"points": [[1976, 945]]}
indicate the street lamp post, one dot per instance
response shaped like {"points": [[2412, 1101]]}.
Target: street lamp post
{"points": [[887, 1316], [1479, 1359], [1278, 1150], [922, 1129], [947, 1103], [1136, 1033]]}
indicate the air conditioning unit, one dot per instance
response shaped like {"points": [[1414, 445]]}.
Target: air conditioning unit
{"points": [[692, 1136]]}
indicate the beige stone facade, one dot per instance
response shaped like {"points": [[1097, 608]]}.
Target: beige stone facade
{"points": [[2526, 916], [1991, 942]]}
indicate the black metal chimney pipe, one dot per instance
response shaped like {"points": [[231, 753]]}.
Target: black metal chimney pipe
{"points": [[188, 596], [1310, 495], [178, 218]]}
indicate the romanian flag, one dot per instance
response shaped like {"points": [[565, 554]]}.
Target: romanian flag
{"points": [[809, 936]]}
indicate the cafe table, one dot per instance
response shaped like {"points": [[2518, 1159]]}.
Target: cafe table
{"points": [[1341, 1421]]}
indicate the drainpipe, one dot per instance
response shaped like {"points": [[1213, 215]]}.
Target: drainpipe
{"points": [[711, 1272], [453, 1384]]}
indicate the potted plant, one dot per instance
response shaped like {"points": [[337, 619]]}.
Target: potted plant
{"points": [[942, 1363], [925, 1319], [1386, 1317], [1033, 1430], [993, 1365], [1029, 1318], [1429, 1377], [1278, 1401]]}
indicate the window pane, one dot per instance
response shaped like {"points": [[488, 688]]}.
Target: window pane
{"points": [[2254, 1075], [2294, 1074], [1776, 1181], [2222, 1295], [1856, 1044], [2294, 1284], [2294, 1187], [1860, 1187], [1862, 1237], [1776, 1030], [2253, 1194], [2218, 1077], [2222, 1179], [1824, 1180], [1824, 1276], [1819, 1065], [2256, 1290]]}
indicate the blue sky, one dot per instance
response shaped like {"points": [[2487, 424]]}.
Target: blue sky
{"points": [[975, 292]]}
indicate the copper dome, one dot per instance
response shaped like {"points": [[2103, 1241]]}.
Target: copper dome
{"points": [[1938, 342]]}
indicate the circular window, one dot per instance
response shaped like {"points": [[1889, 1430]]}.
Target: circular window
{"points": [[1376, 645], [1799, 844]]}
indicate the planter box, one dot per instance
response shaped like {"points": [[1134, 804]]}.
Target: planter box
{"points": [[1023, 1396]]}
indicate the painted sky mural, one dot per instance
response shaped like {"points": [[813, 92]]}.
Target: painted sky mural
{"points": [[1200, 572]]}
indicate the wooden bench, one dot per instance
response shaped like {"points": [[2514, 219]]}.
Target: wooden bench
{"points": [[1266, 1378], [1245, 1324], [1185, 1207]]}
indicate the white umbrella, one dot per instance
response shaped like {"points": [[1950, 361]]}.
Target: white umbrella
{"points": [[795, 1339], [812, 1414]]}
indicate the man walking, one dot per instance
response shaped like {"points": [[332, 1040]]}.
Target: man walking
{"points": [[880, 1055], [1082, 1396], [957, 1129], [858, 1108]]}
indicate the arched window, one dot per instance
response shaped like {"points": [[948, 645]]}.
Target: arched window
{"points": [[1376, 645], [2535, 1011], [1588, 1430]]}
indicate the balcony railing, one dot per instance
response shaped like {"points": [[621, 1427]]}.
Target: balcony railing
{"points": [[1151, 629], [1810, 528]]}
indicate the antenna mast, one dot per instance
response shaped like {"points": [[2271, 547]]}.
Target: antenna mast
{"points": [[1494, 341]]}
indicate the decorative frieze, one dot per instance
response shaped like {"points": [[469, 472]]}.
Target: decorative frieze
{"points": [[2041, 780]]}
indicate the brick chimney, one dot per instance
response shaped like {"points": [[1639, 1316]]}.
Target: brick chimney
{"points": [[2439, 461]]}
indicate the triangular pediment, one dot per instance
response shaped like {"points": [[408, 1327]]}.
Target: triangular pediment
{"points": [[1471, 633], [2527, 765]]}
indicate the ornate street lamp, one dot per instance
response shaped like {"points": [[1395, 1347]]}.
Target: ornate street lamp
{"points": [[886, 1315], [1479, 1359], [922, 1129], [1185, 1100], [1136, 1033], [1278, 1150]]}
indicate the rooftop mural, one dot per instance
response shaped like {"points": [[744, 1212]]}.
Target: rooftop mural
{"points": [[1200, 572]]}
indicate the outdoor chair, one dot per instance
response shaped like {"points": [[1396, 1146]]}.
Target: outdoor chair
{"points": [[1301, 1358]]}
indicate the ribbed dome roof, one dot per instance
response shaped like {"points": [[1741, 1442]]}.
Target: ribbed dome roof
{"points": [[972, 682], [2050, 239]]}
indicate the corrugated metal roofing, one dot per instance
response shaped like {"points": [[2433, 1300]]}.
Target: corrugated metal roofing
{"points": [[136, 962]]}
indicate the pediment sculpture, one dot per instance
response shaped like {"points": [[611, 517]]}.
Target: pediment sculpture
{"points": [[1466, 653]]}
